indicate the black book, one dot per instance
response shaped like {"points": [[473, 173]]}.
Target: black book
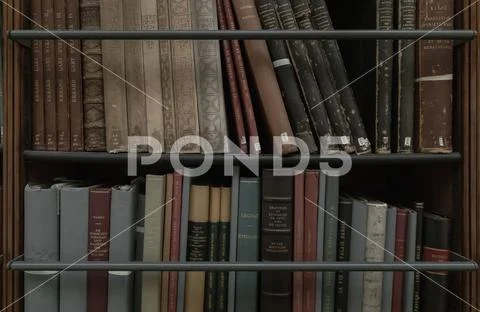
{"points": [[343, 252], [418, 207]]}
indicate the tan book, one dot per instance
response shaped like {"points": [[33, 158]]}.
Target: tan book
{"points": [[111, 18], [184, 86], [167, 235], [153, 241], [197, 246]]}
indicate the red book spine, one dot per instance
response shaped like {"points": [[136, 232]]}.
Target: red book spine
{"points": [[98, 248], [175, 240], [298, 234], [310, 238], [398, 277]]}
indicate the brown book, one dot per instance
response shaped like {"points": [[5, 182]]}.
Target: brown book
{"points": [[175, 240], [400, 241], [310, 237], [247, 104], [49, 68], [434, 80], [167, 236], [75, 79], [93, 101], [61, 76], [298, 238], [273, 107], [38, 124], [98, 247]]}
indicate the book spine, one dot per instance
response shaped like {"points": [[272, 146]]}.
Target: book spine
{"points": [[261, 65], [298, 239], [276, 241], [405, 100], [211, 281], [49, 69], [343, 253], [286, 76], [175, 240], [232, 246], [183, 67], [322, 21], [38, 109], [113, 52], [226, 219], [419, 207], [167, 237], [61, 80], [75, 85], [93, 100], [98, 248], [243, 85], [322, 195], [398, 277], [236, 106], [139, 236], [389, 254], [434, 77], [410, 244], [318, 59], [311, 92]]}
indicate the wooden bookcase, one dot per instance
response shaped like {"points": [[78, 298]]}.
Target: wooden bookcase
{"points": [[449, 180]]}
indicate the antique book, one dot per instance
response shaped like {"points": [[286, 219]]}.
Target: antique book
{"points": [[400, 244], [178, 187], [419, 208], [167, 237], [226, 210], [389, 257], [248, 243], [134, 68], [299, 55], [98, 247], [321, 204], [311, 227], [344, 231], [231, 78], [286, 76], [321, 69], [49, 70], [434, 80], [212, 118], [410, 247], [261, 66], [38, 99], [232, 242], [113, 59], [93, 100], [211, 280], [183, 75], [166, 76], [276, 241], [61, 80], [436, 247], [152, 74], [139, 231], [298, 238], [322, 21], [197, 246], [405, 78], [75, 85], [247, 104]]}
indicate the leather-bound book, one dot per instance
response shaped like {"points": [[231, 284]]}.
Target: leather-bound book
{"points": [[261, 66], [343, 252], [98, 247], [321, 20], [298, 239], [299, 54], [167, 239], [38, 100], [434, 78], [398, 277], [93, 101], [49, 69], [247, 104], [286, 76], [175, 240], [276, 241], [211, 281], [311, 227], [418, 207], [321, 69], [226, 219], [75, 85], [436, 247], [61, 80], [236, 105]]}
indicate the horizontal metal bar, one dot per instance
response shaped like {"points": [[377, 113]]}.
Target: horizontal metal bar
{"points": [[241, 34], [243, 266]]}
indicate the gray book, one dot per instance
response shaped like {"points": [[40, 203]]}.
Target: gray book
{"points": [[322, 200], [73, 247], [233, 237], [357, 253], [248, 244], [139, 230], [330, 244], [122, 247], [410, 247], [389, 258], [183, 241]]}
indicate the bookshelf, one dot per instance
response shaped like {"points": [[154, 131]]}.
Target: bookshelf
{"points": [[21, 157]]}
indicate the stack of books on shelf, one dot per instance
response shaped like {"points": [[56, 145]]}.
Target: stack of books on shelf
{"points": [[170, 217], [358, 96]]}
